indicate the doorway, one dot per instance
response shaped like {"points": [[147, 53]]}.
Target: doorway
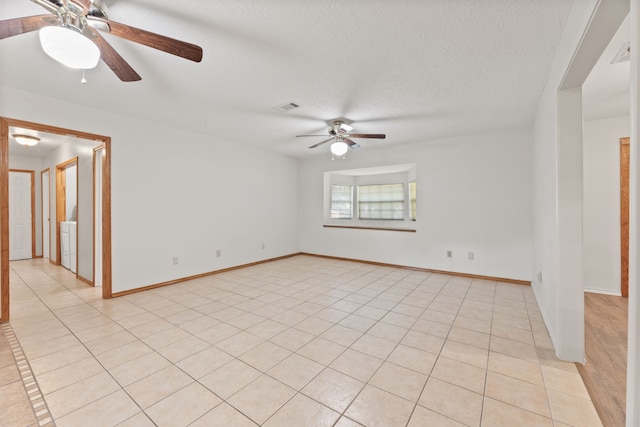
{"points": [[595, 127], [21, 214], [103, 141]]}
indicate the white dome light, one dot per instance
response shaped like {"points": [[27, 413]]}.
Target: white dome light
{"points": [[69, 47], [339, 148], [26, 140]]}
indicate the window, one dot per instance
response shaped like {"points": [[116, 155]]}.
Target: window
{"points": [[412, 200], [385, 201], [341, 201], [380, 198]]}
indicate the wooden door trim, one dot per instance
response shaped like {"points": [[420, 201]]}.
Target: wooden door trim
{"points": [[33, 207], [624, 217], [5, 123], [42, 189], [4, 220], [61, 208]]}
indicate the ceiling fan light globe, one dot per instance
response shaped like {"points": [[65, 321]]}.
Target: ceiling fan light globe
{"points": [[69, 47], [339, 148]]}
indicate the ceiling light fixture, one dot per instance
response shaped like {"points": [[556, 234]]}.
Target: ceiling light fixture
{"points": [[70, 47], [26, 140], [339, 148]]}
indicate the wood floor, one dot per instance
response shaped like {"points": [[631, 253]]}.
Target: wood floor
{"points": [[605, 373]]}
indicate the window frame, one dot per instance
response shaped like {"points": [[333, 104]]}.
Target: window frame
{"points": [[395, 174]]}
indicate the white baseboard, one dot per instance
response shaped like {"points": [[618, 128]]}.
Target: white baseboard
{"points": [[603, 292]]}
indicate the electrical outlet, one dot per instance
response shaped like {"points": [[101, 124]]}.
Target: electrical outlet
{"points": [[175, 260], [539, 276], [218, 253], [449, 254], [470, 255], [263, 246]]}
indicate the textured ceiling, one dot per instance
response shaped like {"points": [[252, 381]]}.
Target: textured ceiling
{"points": [[413, 69]]}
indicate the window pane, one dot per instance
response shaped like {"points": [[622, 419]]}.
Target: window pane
{"points": [[412, 199], [341, 201], [384, 201]]}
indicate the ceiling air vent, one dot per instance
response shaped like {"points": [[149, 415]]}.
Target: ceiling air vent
{"points": [[623, 55], [287, 107]]}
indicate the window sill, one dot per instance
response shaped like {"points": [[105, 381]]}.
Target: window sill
{"points": [[406, 230]]}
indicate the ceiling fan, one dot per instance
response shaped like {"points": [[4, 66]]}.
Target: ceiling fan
{"points": [[78, 21], [340, 133]]}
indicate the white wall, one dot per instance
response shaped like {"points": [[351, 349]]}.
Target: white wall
{"points": [[601, 156], [32, 164], [545, 170], [545, 159], [71, 193], [474, 195], [179, 193]]}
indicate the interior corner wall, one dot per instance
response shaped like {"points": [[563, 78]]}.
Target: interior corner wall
{"points": [[474, 194], [601, 156], [179, 193]]}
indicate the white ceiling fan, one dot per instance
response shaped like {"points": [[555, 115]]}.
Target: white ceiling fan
{"points": [[69, 34], [340, 133]]}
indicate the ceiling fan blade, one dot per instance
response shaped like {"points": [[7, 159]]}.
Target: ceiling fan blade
{"points": [[368, 135], [321, 142], [17, 26], [113, 59], [302, 136], [166, 44], [351, 143]]}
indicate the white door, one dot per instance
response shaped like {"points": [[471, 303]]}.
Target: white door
{"points": [[19, 215], [97, 211], [46, 224]]}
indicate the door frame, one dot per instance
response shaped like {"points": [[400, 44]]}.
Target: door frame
{"points": [[32, 174], [5, 123], [624, 216]]}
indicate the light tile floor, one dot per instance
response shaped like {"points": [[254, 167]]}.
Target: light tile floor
{"points": [[303, 341]]}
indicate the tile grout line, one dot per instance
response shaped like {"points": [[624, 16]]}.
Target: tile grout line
{"points": [[417, 403], [36, 399]]}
